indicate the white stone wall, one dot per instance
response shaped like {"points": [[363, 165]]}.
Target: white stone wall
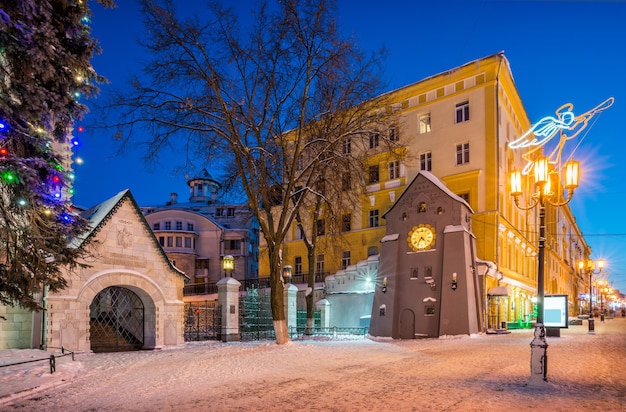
{"points": [[16, 330]]}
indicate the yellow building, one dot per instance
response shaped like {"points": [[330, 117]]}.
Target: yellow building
{"points": [[457, 125]]}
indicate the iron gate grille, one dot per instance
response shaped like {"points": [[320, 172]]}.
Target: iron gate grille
{"points": [[202, 321], [116, 321], [255, 315]]}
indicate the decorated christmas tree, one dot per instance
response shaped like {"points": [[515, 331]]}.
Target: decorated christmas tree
{"points": [[45, 75]]}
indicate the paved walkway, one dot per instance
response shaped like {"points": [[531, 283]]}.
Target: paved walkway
{"points": [[485, 372]]}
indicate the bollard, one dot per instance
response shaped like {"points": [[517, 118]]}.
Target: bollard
{"points": [[53, 365]]}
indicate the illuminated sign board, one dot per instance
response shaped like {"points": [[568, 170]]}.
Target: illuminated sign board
{"points": [[555, 311], [566, 123]]}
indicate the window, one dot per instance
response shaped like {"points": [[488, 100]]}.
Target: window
{"points": [[462, 112], [299, 234], [199, 189], [179, 241], [321, 227], [179, 225], [346, 182], [373, 176], [374, 140], [393, 133], [202, 264], [426, 161], [414, 273], [298, 265], [346, 222], [464, 196], [319, 264], [219, 212], [347, 146], [230, 212], [374, 218], [168, 225], [300, 163], [424, 123], [394, 170], [429, 310], [169, 241], [190, 227], [162, 241], [187, 243], [233, 244], [156, 226], [345, 259], [372, 250], [462, 154]]}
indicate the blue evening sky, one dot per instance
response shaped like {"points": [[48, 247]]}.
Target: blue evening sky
{"points": [[559, 51]]}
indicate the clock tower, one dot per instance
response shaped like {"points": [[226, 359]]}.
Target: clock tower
{"points": [[427, 283]]}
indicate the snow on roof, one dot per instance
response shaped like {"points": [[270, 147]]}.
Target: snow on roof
{"points": [[435, 181], [96, 215]]}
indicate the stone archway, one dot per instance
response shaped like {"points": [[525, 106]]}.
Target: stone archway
{"points": [[116, 320]]}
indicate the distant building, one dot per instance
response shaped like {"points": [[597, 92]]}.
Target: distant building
{"points": [[196, 236]]}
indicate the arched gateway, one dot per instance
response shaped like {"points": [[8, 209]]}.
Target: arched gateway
{"points": [[116, 321], [128, 295]]}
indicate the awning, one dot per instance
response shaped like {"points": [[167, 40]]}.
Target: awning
{"points": [[499, 291]]}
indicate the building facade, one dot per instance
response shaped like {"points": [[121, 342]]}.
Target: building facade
{"points": [[457, 125], [198, 234]]}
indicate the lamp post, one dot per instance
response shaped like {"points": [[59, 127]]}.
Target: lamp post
{"points": [[548, 185], [590, 269], [602, 289], [228, 262]]}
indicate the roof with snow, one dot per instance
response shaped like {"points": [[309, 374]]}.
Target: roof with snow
{"points": [[100, 214], [433, 179]]}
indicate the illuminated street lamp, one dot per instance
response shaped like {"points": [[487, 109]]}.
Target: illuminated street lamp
{"points": [[228, 264], [590, 269], [287, 271], [548, 185]]}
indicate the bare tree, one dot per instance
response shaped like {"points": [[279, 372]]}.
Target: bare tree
{"points": [[247, 100], [333, 193]]}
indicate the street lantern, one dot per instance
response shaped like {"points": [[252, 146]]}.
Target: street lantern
{"points": [[589, 268], [228, 263], [287, 270], [547, 183]]}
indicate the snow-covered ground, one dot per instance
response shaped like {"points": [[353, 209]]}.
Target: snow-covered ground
{"points": [[477, 373]]}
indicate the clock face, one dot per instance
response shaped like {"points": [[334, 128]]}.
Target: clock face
{"points": [[421, 237]]}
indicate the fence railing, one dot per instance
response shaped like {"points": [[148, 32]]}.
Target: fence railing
{"points": [[51, 359]]}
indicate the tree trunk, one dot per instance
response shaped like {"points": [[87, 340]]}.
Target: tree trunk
{"points": [[277, 296], [310, 298]]}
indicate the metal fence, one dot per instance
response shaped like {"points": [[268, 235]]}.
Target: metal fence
{"points": [[255, 315], [332, 332], [50, 359], [202, 321]]}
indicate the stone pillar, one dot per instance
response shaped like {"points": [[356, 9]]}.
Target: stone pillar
{"points": [[324, 307], [228, 299], [291, 306]]}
